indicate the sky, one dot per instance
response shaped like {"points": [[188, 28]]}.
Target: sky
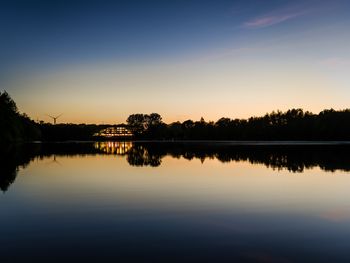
{"points": [[100, 61]]}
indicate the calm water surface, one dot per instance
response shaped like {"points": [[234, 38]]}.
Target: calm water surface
{"points": [[173, 202]]}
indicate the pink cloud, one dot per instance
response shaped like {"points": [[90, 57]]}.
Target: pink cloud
{"points": [[269, 20]]}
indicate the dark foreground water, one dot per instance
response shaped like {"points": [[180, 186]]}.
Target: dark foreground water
{"points": [[175, 202]]}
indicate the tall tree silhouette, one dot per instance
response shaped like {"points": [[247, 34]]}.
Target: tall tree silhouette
{"points": [[15, 126]]}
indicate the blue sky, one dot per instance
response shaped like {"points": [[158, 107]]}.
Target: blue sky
{"points": [[99, 61]]}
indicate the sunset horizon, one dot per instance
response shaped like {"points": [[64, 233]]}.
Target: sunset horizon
{"points": [[175, 131], [99, 63]]}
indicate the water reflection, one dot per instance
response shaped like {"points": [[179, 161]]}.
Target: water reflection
{"points": [[12, 158], [140, 155], [174, 202], [119, 148], [294, 158]]}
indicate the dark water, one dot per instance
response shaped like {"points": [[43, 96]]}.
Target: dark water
{"points": [[175, 202]]}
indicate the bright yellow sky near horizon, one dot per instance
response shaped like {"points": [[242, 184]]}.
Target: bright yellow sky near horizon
{"points": [[214, 88]]}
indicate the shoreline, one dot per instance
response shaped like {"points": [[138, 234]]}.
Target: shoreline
{"points": [[203, 142]]}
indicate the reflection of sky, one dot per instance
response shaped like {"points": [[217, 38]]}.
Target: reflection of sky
{"points": [[100, 205], [183, 184], [100, 62]]}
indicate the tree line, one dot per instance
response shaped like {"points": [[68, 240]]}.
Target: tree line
{"points": [[294, 124]]}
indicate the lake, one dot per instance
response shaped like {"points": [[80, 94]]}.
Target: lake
{"points": [[175, 202]]}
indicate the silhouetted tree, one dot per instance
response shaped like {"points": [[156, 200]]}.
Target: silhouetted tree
{"points": [[137, 123], [15, 126], [145, 125], [154, 119]]}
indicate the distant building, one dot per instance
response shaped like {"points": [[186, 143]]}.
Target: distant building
{"points": [[114, 132]]}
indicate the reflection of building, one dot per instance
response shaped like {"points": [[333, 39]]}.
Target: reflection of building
{"points": [[119, 148], [114, 132]]}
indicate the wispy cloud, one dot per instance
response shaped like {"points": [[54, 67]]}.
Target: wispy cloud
{"points": [[272, 19]]}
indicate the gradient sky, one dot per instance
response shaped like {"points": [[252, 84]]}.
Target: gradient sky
{"points": [[99, 61]]}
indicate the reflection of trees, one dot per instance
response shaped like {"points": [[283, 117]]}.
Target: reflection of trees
{"points": [[294, 158], [291, 157], [14, 157], [11, 159], [140, 156]]}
